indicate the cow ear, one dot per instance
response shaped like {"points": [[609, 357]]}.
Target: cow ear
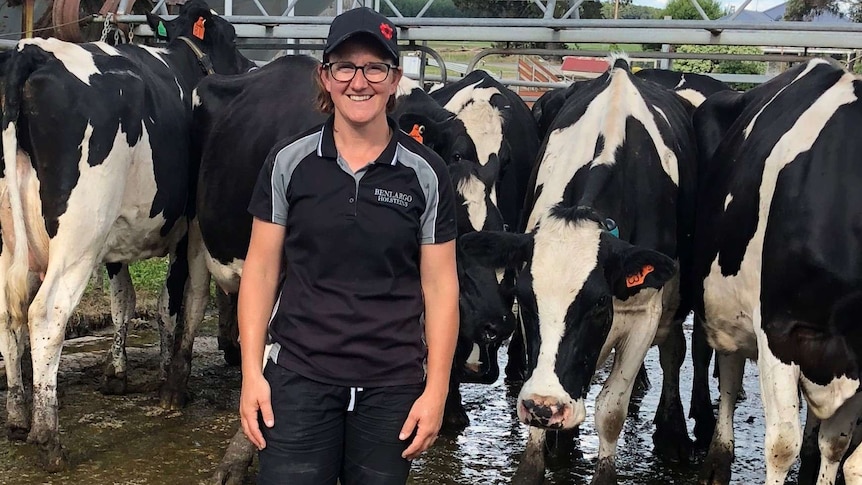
{"points": [[629, 269], [497, 249]]}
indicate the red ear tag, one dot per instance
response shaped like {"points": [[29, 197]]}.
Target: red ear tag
{"points": [[416, 132], [638, 278], [198, 29]]}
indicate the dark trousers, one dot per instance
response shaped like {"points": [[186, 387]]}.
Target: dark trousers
{"points": [[324, 433]]}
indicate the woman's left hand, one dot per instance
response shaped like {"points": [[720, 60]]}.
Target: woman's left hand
{"points": [[426, 416]]}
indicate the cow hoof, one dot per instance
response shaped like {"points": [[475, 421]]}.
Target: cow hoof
{"points": [[17, 433], [53, 458], [173, 400], [113, 384], [233, 474], [673, 447], [455, 420], [606, 473], [716, 468], [232, 356]]}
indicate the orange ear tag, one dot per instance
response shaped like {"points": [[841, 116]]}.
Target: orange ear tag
{"points": [[416, 132], [638, 278], [198, 29]]}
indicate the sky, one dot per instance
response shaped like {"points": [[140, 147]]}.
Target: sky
{"points": [[758, 5]]}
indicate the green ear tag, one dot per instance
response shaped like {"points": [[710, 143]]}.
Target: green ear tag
{"points": [[161, 30]]}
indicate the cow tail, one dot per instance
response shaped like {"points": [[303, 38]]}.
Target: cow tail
{"points": [[16, 289]]}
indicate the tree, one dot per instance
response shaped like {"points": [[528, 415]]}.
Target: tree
{"points": [[499, 9], [804, 10], [704, 66], [629, 11], [684, 10]]}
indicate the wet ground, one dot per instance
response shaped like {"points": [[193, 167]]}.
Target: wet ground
{"points": [[130, 440]]}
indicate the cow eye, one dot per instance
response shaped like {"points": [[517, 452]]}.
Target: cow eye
{"points": [[457, 157]]}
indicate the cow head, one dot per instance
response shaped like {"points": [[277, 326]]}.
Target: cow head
{"points": [[572, 268], [486, 318], [447, 137], [213, 35]]}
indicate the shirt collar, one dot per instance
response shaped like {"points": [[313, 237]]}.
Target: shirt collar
{"points": [[326, 145]]}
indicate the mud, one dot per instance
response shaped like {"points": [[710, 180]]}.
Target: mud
{"points": [[131, 440]]}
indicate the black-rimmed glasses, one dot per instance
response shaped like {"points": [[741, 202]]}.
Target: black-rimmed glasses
{"points": [[374, 72]]}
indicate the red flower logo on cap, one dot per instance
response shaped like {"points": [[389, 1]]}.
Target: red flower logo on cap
{"points": [[386, 30]]}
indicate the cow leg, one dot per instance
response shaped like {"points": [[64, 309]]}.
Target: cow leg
{"points": [[236, 461], [834, 440], [701, 401], [671, 438], [174, 392], [852, 467], [228, 328], [12, 348], [779, 384], [531, 468], [170, 306], [516, 367], [122, 310], [809, 456], [716, 466], [17, 409], [613, 401], [61, 290], [454, 416]]}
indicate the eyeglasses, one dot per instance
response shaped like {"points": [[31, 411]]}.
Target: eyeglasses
{"points": [[374, 72]]}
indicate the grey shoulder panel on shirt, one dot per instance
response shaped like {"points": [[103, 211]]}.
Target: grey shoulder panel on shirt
{"points": [[285, 163], [430, 187]]}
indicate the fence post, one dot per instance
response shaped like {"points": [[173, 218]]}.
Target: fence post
{"points": [[665, 63]]}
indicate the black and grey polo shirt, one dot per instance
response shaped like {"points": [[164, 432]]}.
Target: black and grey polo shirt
{"points": [[349, 309]]}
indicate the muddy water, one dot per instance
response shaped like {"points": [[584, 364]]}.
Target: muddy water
{"points": [[130, 440]]}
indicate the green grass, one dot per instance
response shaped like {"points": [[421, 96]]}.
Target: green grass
{"points": [[149, 275]]}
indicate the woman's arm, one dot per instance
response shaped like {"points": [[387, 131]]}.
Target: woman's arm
{"points": [[257, 292], [440, 288]]}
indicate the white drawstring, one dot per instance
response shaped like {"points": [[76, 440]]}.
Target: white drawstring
{"points": [[352, 403]]}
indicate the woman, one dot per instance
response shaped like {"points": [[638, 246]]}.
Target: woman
{"points": [[352, 242]]}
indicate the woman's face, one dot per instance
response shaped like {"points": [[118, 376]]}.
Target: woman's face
{"points": [[359, 101]]}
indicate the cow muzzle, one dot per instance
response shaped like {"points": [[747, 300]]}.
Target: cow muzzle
{"points": [[548, 412]]}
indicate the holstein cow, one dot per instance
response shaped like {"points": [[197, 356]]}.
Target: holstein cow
{"points": [[695, 88], [504, 137], [610, 210], [779, 260], [485, 307], [96, 148]]}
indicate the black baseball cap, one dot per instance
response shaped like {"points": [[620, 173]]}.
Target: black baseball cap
{"points": [[363, 20]]}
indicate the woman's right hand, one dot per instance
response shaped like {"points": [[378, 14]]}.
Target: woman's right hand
{"points": [[255, 397]]}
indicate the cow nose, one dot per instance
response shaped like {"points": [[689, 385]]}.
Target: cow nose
{"points": [[544, 412]]}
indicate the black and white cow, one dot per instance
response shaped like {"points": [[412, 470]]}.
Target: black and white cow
{"points": [[778, 260], [97, 168], [610, 219], [485, 307], [237, 120], [502, 128]]}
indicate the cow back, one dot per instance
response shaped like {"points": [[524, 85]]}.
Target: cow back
{"points": [[242, 118]]}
